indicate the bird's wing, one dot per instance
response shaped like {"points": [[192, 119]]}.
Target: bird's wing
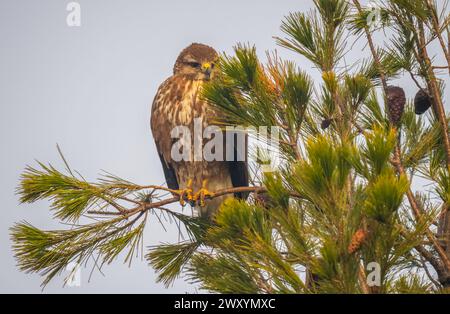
{"points": [[169, 174], [159, 123], [239, 166]]}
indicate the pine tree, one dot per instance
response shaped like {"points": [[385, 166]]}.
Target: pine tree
{"points": [[339, 210]]}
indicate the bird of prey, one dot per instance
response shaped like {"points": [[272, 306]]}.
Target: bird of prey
{"points": [[178, 103]]}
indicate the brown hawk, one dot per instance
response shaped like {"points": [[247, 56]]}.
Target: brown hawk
{"points": [[178, 103]]}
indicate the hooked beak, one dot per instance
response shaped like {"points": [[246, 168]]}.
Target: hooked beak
{"points": [[206, 68]]}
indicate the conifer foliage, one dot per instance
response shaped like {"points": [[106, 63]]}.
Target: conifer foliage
{"points": [[343, 213]]}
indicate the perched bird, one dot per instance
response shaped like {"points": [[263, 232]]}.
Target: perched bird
{"points": [[178, 103]]}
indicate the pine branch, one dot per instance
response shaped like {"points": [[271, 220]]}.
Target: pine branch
{"points": [[397, 158], [431, 5], [48, 252]]}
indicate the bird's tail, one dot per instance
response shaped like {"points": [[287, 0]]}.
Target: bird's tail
{"points": [[211, 206]]}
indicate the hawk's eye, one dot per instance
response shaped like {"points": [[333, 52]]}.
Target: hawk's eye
{"points": [[194, 64]]}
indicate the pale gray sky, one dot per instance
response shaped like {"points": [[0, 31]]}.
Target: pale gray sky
{"points": [[90, 90]]}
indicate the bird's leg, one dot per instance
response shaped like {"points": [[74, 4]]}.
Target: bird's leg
{"points": [[185, 194], [202, 194]]}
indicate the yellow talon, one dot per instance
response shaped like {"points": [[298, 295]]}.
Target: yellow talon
{"points": [[185, 193], [202, 194]]}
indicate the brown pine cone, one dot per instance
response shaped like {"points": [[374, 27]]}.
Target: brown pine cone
{"points": [[326, 123], [422, 101], [396, 103], [358, 239]]}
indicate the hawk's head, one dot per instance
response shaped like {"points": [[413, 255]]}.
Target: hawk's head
{"points": [[196, 61]]}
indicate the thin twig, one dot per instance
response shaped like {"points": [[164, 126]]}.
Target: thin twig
{"points": [[144, 206]]}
